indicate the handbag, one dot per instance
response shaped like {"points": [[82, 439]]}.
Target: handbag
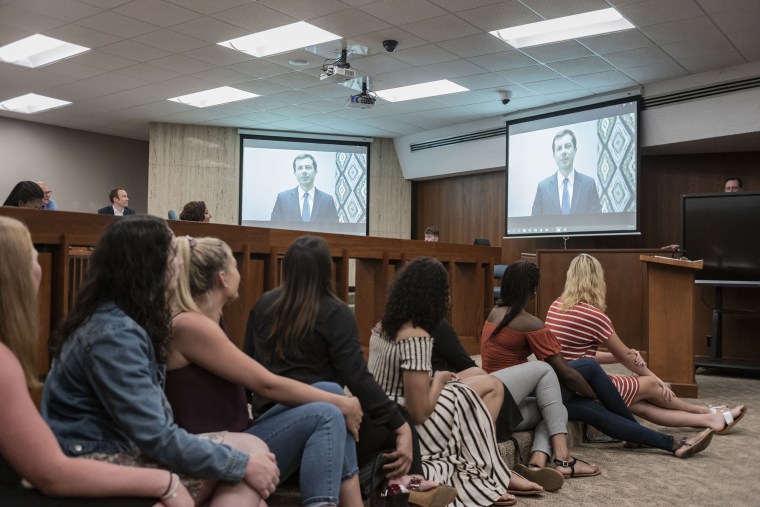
{"points": [[375, 485]]}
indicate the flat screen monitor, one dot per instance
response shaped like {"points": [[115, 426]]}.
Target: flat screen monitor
{"points": [[723, 230], [574, 172], [277, 173]]}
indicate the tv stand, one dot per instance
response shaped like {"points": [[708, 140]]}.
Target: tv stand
{"points": [[715, 359]]}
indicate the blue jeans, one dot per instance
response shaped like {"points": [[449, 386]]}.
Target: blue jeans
{"points": [[314, 437], [611, 416]]}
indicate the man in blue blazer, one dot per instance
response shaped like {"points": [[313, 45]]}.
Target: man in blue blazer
{"points": [[119, 201], [566, 191], [304, 203]]}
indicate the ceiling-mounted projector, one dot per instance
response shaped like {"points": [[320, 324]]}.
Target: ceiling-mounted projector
{"points": [[361, 101], [336, 73]]}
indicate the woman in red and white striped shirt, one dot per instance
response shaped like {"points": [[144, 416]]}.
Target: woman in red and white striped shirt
{"points": [[579, 323]]}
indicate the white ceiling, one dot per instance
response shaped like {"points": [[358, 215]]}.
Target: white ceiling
{"points": [[146, 51]]}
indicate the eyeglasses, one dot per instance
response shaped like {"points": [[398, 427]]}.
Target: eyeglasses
{"points": [[49, 192]]}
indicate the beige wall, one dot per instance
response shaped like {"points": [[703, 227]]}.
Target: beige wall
{"points": [[80, 167], [191, 162]]}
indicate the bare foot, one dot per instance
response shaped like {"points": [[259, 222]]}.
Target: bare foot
{"points": [[581, 468], [520, 483], [424, 484], [505, 499]]}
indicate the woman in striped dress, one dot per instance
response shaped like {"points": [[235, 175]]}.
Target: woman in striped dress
{"points": [[456, 432], [578, 321]]}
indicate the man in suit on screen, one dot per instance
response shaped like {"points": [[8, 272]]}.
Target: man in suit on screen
{"points": [[566, 191], [304, 203]]}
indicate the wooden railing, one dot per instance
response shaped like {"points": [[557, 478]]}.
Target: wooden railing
{"points": [[66, 238]]}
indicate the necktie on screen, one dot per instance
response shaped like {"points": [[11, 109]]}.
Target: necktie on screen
{"points": [[565, 204], [306, 213]]}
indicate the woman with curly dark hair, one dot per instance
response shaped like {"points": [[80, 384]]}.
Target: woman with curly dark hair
{"points": [[452, 417], [103, 397], [195, 211]]}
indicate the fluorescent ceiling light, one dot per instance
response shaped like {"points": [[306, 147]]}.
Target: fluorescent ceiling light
{"points": [[214, 97], [38, 50], [569, 27], [280, 40], [32, 103], [420, 91]]}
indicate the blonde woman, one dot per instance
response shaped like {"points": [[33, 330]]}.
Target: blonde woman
{"points": [[579, 323], [28, 447]]}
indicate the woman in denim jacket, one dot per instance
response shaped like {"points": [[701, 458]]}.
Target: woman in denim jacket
{"points": [[104, 397]]}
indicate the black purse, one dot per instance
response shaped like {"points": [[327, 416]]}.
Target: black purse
{"points": [[375, 485]]}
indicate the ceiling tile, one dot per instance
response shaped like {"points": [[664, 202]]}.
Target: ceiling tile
{"points": [[118, 25], [746, 43], [374, 40], [567, 50], [743, 19], [103, 61], [182, 64], [653, 12], [32, 22], [148, 72], [713, 61], [171, 41], [157, 12], [134, 51], [66, 10], [259, 68], [683, 30], [552, 86], [501, 15], [105, 4], [305, 11], [504, 60], [378, 64], [655, 72], [695, 48], [424, 55], [637, 57], [550, 9], [616, 42], [441, 28], [587, 65], [207, 7], [294, 80], [218, 55], [223, 76], [188, 84], [529, 74], [482, 81], [458, 5], [609, 78], [254, 17], [454, 68], [210, 29], [81, 35], [397, 12], [475, 45], [350, 22]]}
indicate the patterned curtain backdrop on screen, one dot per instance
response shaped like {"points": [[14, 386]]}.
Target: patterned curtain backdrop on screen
{"points": [[617, 162], [351, 187]]}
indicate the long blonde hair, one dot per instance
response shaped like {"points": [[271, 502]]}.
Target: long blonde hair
{"points": [[584, 284], [202, 260], [19, 325]]}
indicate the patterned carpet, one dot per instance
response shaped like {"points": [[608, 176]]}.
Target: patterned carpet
{"points": [[726, 474]]}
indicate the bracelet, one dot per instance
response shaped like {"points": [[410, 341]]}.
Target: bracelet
{"points": [[171, 491], [168, 486]]}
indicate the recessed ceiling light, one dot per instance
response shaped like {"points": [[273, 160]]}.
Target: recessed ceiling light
{"points": [[214, 97], [280, 40], [32, 103], [299, 62], [419, 91], [568, 27], [38, 50]]}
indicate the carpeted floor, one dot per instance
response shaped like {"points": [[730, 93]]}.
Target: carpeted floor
{"points": [[726, 474]]}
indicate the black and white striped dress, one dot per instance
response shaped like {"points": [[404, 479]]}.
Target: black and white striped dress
{"points": [[457, 441]]}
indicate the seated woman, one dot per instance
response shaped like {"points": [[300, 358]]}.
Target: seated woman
{"points": [[578, 321], [303, 331], [207, 391], [26, 194], [103, 397], [28, 448], [195, 211], [512, 334], [456, 432]]}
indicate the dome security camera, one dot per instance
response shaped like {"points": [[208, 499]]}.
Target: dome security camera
{"points": [[506, 96], [390, 45]]}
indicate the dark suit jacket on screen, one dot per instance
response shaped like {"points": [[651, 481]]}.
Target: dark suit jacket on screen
{"points": [[585, 196], [108, 210], [288, 209]]}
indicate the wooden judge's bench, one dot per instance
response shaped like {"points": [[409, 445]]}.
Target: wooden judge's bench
{"points": [[363, 268]]}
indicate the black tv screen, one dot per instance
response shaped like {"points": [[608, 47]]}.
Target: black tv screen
{"points": [[723, 230], [277, 172], [574, 172]]}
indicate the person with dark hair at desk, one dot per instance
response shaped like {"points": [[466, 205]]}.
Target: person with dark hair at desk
{"points": [[304, 203], [566, 191], [119, 202], [26, 194]]}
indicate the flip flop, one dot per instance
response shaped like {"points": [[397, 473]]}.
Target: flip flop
{"points": [[571, 465], [547, 478], [700, 445], [730, 420]]}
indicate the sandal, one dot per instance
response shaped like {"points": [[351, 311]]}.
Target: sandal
{"points": [[571, 466], [438, 496], [547, 478], [524, 492], [700, 445], [729, 418], [504, 502]]}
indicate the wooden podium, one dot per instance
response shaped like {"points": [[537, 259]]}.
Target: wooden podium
{"points": [[670, 321]]}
